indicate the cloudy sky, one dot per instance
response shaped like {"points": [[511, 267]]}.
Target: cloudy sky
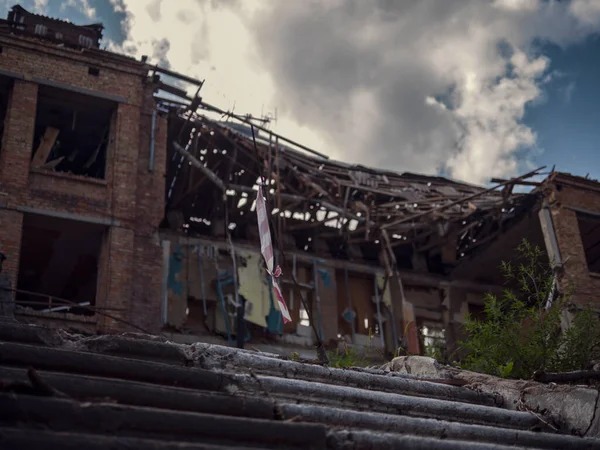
{"points": [[471, 89]]}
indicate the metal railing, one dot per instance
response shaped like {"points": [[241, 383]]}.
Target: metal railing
{"points": [[50, 303]]}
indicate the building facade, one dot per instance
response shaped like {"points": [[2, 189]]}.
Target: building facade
{"points": [[81, 183]]}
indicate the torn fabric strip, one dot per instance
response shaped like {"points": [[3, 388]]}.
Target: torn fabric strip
{"points": [[266, 248]]}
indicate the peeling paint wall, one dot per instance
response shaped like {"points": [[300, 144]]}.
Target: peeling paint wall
{"points": [[253, 286]]}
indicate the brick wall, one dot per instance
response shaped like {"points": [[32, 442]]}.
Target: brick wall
{"points": [[118, 279], [130, 197], [18, 136], [149, 201], [118, 76], [11, 223], [562, 196]]}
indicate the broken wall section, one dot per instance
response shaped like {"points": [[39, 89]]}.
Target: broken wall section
{"points": [[575, 210], [200, 297]]}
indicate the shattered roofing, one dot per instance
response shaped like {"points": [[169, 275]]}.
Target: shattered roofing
{"points": [[342, 203], [140, 392], [568, 177]]}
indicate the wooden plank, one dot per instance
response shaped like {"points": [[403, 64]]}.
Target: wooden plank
{"points": [[51, 165], [43, 151]]}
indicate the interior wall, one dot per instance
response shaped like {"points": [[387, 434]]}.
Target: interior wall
{"points": [[362, 290]]}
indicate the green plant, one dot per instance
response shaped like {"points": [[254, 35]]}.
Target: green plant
{"points": [[581, 343], [521, 331], [349, 357], [435, 351]]}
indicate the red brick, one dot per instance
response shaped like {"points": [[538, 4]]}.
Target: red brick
{"points": [[131, 197], [586, 285]]}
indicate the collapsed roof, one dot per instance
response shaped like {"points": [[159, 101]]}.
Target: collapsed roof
{"points": [[352, 208]]}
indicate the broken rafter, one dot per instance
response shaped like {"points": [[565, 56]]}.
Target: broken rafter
{"points": [[173, 91], [197, 164], [179, 76], [298, 198], [521, 183], [464, 199], [258, 127]]}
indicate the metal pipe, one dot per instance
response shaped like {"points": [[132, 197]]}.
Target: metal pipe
{"points": [[376, 286], [394, 331], [349, 298], [152, 142], [317, 299], [62, 308], [166, 246], [202, 284], [294, 264]]}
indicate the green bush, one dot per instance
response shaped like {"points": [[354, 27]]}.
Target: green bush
{"points": [[435, 351], [350, 357], [520, 335]]}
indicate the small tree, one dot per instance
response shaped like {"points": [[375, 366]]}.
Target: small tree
{"points": [[521, 332]]}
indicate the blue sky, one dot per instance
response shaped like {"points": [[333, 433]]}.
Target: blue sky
{"points": [[318, 108], [568, 122]]}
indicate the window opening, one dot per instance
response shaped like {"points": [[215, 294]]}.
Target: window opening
{"points": [[58, 266], [589, 229], [304, 320], [71, 132]]}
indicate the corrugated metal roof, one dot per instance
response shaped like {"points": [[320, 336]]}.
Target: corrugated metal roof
{"points": [[126, 392]]}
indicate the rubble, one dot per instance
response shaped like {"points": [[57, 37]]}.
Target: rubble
{"points": [[572, 409]]}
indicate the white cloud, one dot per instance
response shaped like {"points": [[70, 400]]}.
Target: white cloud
{"points": [[39, 6], [82, 5], [517, 5], [587, 11], [413, 85]]}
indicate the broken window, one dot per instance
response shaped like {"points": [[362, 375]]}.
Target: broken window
{"points": [[40, 29], [304, 320], [589, 228], [71, 132], [433, 340], [85, 41], [59, 264], [433, 335]]}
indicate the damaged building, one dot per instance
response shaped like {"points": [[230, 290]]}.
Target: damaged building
{"points": [[129, 203], [81, 173]]}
